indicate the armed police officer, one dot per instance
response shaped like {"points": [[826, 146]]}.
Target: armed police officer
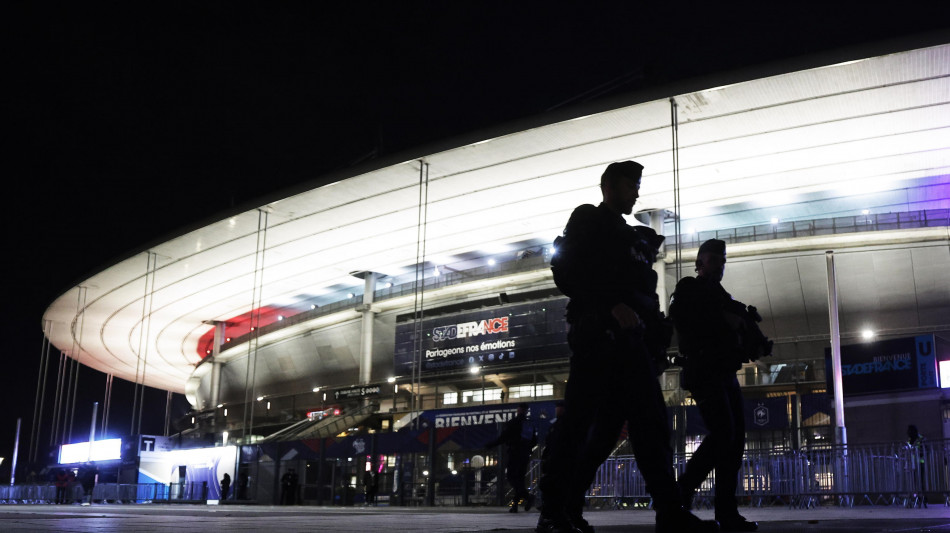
{"points": [[615, 330], [716, 335]]}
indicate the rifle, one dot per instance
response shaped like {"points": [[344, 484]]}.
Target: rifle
{"points": [[744, 320]]}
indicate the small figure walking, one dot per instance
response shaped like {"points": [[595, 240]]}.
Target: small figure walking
{"points": [[225, 486]]}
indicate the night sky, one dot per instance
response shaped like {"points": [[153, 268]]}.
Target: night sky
{"points": [[128, 123]]}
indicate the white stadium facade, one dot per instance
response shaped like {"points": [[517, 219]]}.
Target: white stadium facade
{"points": [[422, 284]]}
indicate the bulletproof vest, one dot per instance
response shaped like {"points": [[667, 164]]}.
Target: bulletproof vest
{"points": [[633, 250], [624, 258]]}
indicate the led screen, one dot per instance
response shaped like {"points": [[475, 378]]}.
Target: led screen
{"points": [[102, 450]]}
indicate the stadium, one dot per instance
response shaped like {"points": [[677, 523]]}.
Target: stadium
{"points": [[334, 329]]}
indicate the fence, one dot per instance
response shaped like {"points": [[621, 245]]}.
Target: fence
{"points": [[892, 474], [889, 474], [107, 493], [925, 218]]}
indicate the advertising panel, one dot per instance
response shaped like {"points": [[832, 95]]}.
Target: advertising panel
{"points": [[497, 336], [887, 365], [490, 415], [156, 443], [192, 466], [357, 392], [100, 450]]}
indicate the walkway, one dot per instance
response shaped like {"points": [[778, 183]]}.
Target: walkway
{"points": [[262, 519]]}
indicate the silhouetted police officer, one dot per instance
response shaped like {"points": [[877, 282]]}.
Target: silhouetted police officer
{"points": [[605, 267], [711, 328]]}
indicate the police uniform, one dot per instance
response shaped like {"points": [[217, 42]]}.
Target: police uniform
{"points": [[712, 348], [601, 261]]}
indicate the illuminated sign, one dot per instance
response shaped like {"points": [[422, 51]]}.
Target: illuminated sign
{"points": [[357, 392], [102, 450], [945, 374], [320, 415], [154, 443], [520, 333], [470, 329], [194, 466], [888, 365]]}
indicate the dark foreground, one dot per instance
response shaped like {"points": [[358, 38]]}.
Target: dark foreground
{"points": [[262, 519]]}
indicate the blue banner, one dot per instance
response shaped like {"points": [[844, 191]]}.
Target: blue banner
{"points": [[926, 362], [887, 365]]}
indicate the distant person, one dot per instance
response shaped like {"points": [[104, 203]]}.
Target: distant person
{"points": [[288, 487], [225, 486], [61, 482], [243, 482], [915, 441], [87, 479], [70, 483], [518, 450], [370, 487]]}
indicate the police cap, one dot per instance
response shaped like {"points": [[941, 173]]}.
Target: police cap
{"points": [[714, 246]]}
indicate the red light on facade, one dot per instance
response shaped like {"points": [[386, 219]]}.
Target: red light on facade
{"points": [[336, 412]]}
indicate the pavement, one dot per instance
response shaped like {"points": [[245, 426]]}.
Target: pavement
{"points": [[180, 518]]}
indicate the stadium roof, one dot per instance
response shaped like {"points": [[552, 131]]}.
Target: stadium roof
{"points": [[803, 144]]}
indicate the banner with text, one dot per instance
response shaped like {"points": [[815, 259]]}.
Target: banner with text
{"points": [[501, 335], [887, 365]]}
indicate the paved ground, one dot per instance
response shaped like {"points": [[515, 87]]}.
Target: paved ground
{"points": [[263, 519]]}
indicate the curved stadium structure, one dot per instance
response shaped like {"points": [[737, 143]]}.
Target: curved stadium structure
{"points": [[423, 283]]}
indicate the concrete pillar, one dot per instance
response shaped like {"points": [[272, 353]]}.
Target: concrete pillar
{"points": [[366, 330], [840, 432], [215, 365], [654, 219]]}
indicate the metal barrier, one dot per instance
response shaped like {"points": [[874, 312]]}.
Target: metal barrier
{"points": [[870, 474], [107, 493], [873, 474]]}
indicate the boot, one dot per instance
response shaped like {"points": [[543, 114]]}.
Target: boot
{"points": [[683, 521], [736, 523], [528, 502]]}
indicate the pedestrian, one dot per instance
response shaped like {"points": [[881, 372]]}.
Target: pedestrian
{"points": [[915, 441], [370, 487], [225, 486], [71, 484], [243, 483], [87, 478], [288, 487], [62, 481], [617, 335], [518, 451], [716, 335]]}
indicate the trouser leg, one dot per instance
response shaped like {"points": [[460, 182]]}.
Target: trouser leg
{"points": [[649, 432], [720, 405], [601, 435], [516, 480], [731, 462], [562, 447], [565, 458]]}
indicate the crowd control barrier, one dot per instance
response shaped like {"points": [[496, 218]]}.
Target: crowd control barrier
{"points": [[872, 474], [107, 493], [859, 474]]}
